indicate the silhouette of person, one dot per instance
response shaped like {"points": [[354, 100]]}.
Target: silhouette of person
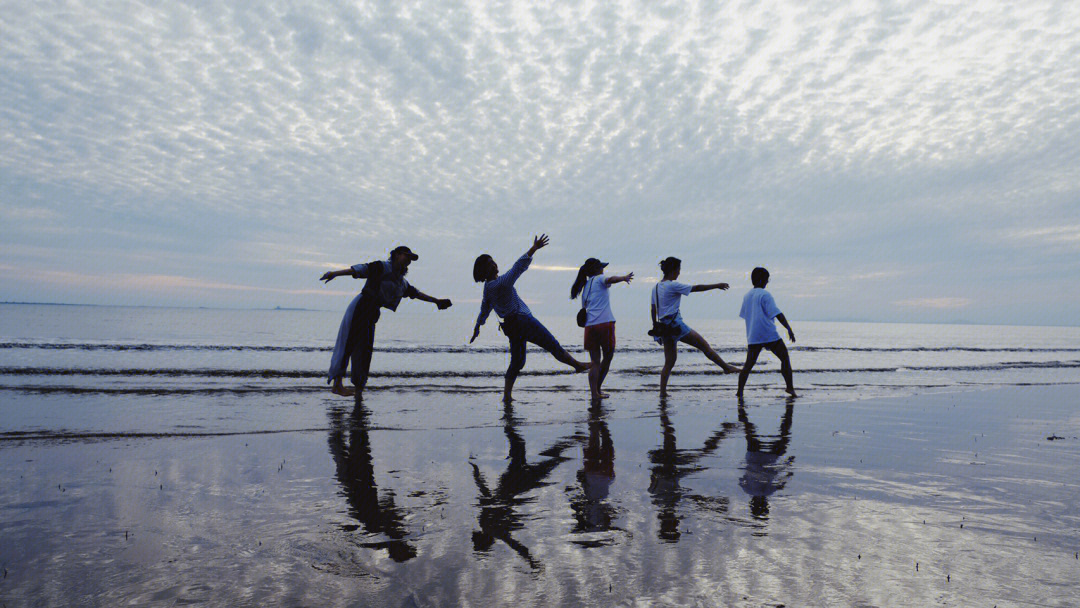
{"points": [[666, 318], [759, 309], [355, 469], [592, 512], [670, 465], [519, 324], [384, 288], [597, 319], [766, 470], [499, 517]]}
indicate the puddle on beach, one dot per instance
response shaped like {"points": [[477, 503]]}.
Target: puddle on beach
{"points": [[955, 499]]}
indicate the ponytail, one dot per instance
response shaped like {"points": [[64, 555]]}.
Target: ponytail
{"points": [[579, 282]]}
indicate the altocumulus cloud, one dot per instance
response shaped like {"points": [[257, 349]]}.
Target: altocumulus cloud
{"points": [[247, 144]]}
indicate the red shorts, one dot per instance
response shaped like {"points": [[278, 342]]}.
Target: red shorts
{"points": [[601, 336]]}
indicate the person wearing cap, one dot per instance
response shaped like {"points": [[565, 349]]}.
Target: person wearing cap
{"points": [[759, 309], [593, 286], [519, 324], [666, 297], [384, 288]]}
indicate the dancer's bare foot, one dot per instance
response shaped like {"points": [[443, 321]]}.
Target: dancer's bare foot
{"points": [[604, 395], [582, 367], [791, 392], [339, 388], [731, 369]]}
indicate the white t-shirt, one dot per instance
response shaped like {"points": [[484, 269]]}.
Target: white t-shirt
{"points": [[597, 305], [668, 295], [759, 309]]}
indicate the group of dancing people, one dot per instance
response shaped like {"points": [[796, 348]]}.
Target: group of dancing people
{"points": [[386, 285]]}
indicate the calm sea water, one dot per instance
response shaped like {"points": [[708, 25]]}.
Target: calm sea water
{"points": [[172, 456], [121, 350]]}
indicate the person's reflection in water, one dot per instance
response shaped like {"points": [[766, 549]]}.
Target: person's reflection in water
{"points": [[499, 518], [356, 473], [670, 465], [766, 471], [592, 512]]}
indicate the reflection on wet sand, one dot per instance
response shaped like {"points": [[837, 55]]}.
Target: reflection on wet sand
{"points": [[766, 471], [356, 473], [499, 508], [670, 465], [592, 511]]}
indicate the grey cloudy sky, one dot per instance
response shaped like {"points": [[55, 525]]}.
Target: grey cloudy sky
{"points": [[886, 160]]}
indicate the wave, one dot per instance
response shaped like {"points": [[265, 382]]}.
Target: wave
{"points": [[498, 373], [444, 348]]}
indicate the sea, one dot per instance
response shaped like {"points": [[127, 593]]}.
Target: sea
{"points": [[170, 456], [71, 348]]}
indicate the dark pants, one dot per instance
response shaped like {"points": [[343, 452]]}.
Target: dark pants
{"points": [[361, 342], [525, 328]]}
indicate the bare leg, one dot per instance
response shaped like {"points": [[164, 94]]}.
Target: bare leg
{"points": [[694, 339], [605, 365], [777, 348], [595, 372], [671, 352], [752, 352]]}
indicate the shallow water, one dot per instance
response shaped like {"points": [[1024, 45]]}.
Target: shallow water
{"points": [[173, 456], [693, 501]]}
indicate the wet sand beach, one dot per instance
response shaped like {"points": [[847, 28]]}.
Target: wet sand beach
{"points": [[426, 499]]}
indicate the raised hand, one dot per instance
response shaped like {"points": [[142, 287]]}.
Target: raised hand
{"points": [[538, 243], [444, 303], [629, 277], [329, 276]]}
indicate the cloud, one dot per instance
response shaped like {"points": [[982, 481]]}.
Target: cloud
{"points": [[792, 134], [146, 282]]}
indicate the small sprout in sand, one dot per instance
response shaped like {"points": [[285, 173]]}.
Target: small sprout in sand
{"points": [[916, 566]]}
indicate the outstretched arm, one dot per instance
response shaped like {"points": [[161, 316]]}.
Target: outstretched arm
{"points": [[626, 278], [783, 321], [708, 286], [332, 274], [442, 303]]}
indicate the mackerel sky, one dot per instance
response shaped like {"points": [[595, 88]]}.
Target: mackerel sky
{"points": [[896, 161]]}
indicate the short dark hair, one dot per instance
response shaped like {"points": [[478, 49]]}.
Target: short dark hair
{"points": [[759, 277], [669, 263], [479, 268]]}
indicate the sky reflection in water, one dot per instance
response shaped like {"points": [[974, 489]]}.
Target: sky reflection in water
{"points": [[688, 501]]}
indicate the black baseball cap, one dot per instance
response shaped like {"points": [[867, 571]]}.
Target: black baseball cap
{"points": [[594, 264], [408, 252]]}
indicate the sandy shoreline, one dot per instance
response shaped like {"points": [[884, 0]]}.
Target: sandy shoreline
{"points": [[420, 499]]}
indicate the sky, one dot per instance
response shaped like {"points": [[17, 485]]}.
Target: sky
{"points": [[887, 161]]}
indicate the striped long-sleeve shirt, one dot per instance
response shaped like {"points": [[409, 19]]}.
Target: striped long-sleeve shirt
{"points": [[500, 295]]}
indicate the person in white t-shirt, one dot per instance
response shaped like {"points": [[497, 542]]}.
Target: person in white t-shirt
{"points": [[665, 312], [759, 309], [593, 286]]}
